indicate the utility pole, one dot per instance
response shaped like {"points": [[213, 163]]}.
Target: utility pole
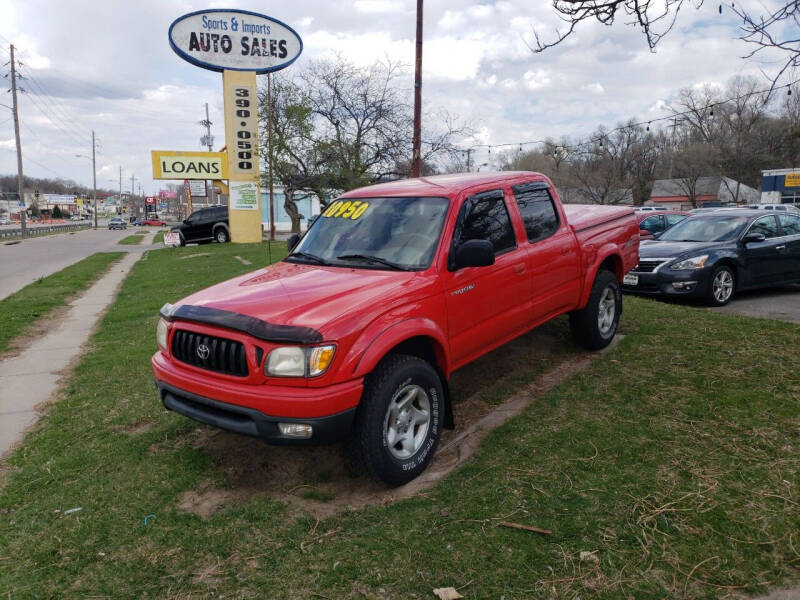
{"points": [[269, 155], [210, 143], [94, 182], [133, 195], [120, 189], [416, 159], [21, 184]]}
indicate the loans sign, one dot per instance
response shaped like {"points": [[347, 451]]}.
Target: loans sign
{"points": [[172, 164], [238, 40]]}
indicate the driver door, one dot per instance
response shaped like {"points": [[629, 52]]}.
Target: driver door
{"points": [[486, 305]]}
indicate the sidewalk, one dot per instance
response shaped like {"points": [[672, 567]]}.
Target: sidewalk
{"points": [[33, 377]]}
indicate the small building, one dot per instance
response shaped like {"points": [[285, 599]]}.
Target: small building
{"points": [[780, 186], [675, 194]]}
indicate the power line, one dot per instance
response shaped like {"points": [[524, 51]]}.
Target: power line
{"points": [[674, 115]]}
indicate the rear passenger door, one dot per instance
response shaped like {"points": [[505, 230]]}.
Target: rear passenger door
{"points": [[553, 263], [486, 305]]}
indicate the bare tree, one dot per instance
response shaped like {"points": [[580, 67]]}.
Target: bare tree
{"points": [[692, 163], [775, 29]]}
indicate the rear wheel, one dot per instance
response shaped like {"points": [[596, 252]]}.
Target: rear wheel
{"points": [[721, 287], [221, 235], [398, 422], [595, 326]]}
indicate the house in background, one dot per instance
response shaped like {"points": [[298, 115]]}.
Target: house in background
{"points": [[676, 194]]}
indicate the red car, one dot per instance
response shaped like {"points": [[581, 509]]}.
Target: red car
{"points": [[154, 221], [652, 223], [356, 332]]}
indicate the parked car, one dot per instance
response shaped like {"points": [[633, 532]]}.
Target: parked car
{"points": [[782, 207], [154, 221], [652, 225], [4, 221], [356, 332], [205, 225], [649, 208], [713, 256], [117, 223]]}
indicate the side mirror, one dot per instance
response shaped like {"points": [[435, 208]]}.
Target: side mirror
{"points": [[645, 233], [474, 253], [292, 241], [753, 237]]}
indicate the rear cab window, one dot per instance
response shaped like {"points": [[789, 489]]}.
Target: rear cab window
{"points": [[539, 214]]}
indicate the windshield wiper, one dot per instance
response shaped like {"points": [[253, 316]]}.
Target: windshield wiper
{"points": [[313, 257], [373, 259]]}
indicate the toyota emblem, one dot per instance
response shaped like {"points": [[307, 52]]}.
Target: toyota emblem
{"points": [[203, 351]]}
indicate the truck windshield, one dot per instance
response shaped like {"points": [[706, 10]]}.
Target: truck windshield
{"points": [[375, 233], [706, 228]]}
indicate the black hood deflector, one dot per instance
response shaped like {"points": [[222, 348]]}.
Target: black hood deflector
{"points": [[259, 329]]}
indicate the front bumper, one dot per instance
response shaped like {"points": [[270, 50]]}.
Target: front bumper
{"points": [[248, 421], [690, 283]]}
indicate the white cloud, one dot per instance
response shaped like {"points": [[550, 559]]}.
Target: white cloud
{"points": [[117, 74]]}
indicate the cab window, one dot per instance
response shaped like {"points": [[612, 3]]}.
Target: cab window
{"points": [[537, 209], [486, 218]]}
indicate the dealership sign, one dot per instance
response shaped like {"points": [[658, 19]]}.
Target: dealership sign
{"points": [[238, 40], [171, 164]]}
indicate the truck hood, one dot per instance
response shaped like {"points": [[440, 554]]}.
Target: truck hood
{"points": [[306, 295]]}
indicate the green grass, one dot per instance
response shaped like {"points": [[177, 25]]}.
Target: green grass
{"points": [[26, 308], [673, 460], [131, 240], [159, 237]]}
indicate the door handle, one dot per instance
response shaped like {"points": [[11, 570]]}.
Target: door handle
{"points": [[781, 247], [519, 268]]}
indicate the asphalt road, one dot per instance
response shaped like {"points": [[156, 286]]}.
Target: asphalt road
{"points": [[780, 303], [24, 262]]}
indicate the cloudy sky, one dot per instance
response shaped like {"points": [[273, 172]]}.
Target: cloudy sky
{"points": [[106, 65]]}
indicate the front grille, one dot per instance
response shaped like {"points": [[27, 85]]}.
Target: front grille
{"points": [[647, 266], [223, 356]]}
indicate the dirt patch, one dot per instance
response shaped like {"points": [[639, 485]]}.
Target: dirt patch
{"points": [[197, 255], [318, 480], [786, 594], [137, 427]]}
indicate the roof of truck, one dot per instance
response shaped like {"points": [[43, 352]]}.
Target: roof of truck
{"points": [[438, 185]]}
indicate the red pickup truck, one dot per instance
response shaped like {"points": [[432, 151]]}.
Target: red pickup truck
{"points": [[355, 333]]}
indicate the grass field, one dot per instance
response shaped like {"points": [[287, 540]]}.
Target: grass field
{"points": [[667, 469], [132, 240], [29, 306], [159, 236]]}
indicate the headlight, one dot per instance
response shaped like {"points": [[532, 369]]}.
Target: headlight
{"points": [[161, 334], [296, 361], [696, 262]]}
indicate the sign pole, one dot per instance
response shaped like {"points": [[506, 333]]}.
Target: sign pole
{"points": [[241, 138], [269, 156]]}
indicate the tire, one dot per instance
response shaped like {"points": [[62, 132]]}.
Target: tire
{"points": [[182, 239], [594, 326], [721, 286], [389, 441], [221, 235]]}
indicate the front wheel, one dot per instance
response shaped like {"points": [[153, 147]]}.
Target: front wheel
{"points": [[720, 290], [594, 326], [398, 423]]}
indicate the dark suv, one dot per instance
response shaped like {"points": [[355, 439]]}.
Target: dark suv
{"points": [[205, 225]]}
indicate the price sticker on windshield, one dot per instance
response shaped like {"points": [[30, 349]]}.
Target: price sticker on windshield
{"points": [[346, 209]]}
